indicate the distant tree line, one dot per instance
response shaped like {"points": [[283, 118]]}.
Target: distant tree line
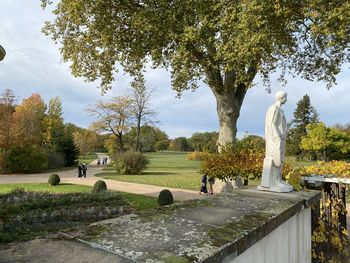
{"points": [[309, 138]]}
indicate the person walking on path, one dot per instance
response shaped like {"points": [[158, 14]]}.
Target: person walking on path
{"points": [[211, 181], [203, 189], [84, 169], [80, 171]]}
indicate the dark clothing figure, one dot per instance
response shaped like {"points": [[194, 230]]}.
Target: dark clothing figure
{"points": [[80, 174], [98, 161], [211, 182], [204, 185], [84, 169]]}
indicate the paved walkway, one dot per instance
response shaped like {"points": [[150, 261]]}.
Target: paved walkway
{"points": [[71, 176]]}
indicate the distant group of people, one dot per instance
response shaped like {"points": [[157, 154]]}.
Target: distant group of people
{"points": [[204, 181], [102, 161], [82, 168]]}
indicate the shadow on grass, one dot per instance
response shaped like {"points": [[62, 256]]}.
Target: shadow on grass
{"points": [[158, 173], [114, 174]]}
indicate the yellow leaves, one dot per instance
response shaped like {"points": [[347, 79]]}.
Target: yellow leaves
{"points": [[321, 256], [329, 233], [294, 178], [196, 156], [234, 160], [333, 168]]}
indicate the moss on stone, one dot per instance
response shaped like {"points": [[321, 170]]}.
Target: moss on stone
{"points": [[165, 212], [236, 229], [93, 231]]}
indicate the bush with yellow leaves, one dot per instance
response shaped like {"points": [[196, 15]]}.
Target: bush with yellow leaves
{"points": [[196, 156]]}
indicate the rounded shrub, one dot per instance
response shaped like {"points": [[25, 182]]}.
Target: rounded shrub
{"points": [[54, 179], [99, 186], [165, 197], [130, 163]]}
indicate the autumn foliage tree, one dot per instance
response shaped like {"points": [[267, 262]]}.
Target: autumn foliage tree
{"points": [[32, 134], [53, 122], [225, 43], [86, 140], [28, 121], [7, 107], [112, 117]]}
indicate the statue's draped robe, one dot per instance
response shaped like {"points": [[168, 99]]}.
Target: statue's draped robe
{"points": [[275, 134]]}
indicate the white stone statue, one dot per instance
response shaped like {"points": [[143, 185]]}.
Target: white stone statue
{"points": [[275, 137]]}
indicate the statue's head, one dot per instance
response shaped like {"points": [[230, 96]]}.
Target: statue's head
{"points": [[281, 96]]}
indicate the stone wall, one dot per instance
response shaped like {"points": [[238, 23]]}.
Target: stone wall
{"points": [[289, 243]]}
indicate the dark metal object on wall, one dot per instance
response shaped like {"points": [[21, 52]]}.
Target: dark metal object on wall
{"points": [[2, 53]]}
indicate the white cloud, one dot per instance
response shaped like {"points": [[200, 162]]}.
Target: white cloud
{"points": [[33, 64]]}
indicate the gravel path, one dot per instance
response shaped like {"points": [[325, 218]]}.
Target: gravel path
{"points": [[71, 176]]}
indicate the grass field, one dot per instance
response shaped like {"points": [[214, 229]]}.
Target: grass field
{"points": [[139, 202], [292, 160], [87, 158], [165, 169], [173, 170], [45, 187]]}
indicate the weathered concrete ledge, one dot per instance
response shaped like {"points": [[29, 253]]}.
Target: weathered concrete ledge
{"points": [[216, 229]]}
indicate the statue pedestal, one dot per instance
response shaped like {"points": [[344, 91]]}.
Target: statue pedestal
{"points": [[281, 188]]}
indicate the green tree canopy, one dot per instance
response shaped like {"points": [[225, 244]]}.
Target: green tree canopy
{"points": [[226, 43], [204, 142], [304, 114], [180, 144], [148, 139], [53, 123], [325, 140]]}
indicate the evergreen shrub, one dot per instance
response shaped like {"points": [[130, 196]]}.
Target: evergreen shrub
{"points": [[54, 179], [165, 197], [26, 159], [99, 186]]}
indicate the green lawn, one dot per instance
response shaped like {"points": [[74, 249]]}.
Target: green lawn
{"points": [[139, 202], [87, 158], [45, 187], [165, 169], [174, 170], [292, 160]]}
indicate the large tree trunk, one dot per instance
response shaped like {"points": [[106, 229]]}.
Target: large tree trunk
{"points": [[120, 142], [229, 104], [138, 131]]}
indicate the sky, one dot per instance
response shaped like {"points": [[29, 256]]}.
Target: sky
{"points": [[33, 64]]}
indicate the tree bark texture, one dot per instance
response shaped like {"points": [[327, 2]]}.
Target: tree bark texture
{"points": [[229, 104], [120, 143], [138, 132]]}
